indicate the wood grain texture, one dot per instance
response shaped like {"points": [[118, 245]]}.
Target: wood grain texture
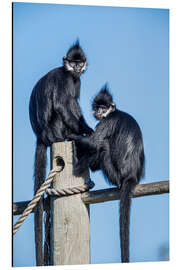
{"points": [[104, 195], [69, 215]]}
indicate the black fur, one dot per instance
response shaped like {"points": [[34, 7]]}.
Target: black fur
{"points": [[39, 176], [116, 147], [54, 114]]}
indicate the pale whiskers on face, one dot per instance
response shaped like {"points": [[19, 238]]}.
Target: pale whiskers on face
{"points": [[76, 67], [103, 111]]}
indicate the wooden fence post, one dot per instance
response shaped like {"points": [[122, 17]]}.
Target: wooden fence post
{"points": [[69, 215]]}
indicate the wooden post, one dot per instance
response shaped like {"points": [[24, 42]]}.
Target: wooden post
{"points": [[69, 215]]}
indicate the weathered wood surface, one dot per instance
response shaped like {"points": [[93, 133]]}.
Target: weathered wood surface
{"points": [[69, 215], [104, 195]]}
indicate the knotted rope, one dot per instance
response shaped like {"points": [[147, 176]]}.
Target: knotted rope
{"points": [[50, 191], [36, 198], [70, 191]]}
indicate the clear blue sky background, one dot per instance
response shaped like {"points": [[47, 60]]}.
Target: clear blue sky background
{"points": [[129, 48]]}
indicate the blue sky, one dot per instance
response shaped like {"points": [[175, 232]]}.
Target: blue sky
{"points": [[129, 49]]}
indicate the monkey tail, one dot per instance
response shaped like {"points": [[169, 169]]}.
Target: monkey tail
{"points": [[39, 177], [125, 206]]}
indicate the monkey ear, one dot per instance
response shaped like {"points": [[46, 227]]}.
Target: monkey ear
{"points": [[113, 105]]}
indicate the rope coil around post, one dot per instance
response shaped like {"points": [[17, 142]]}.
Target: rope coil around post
{"points": [[70, 191], [50, 191]]}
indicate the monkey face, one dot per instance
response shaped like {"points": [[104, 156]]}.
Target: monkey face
{"points": [[75, 67], [75, 60], [102, 111], [78, 66]]}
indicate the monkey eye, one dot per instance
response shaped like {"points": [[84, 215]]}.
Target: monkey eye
{"points": [[103, 107], [81, 64], [101, 110]]}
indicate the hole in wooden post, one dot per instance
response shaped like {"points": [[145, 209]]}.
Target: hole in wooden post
{"points": [[60, 161]]}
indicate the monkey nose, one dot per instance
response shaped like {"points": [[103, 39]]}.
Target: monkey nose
{"points": [[77, 69]]}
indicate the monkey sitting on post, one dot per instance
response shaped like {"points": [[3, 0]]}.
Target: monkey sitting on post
{"points": [[54, 114], [116, 148]]}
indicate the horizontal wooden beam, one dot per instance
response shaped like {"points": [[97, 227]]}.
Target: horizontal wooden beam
{"points": [[110, 194], [19, 207]]}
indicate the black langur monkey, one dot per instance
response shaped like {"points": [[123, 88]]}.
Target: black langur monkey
{"points": [[54, 113], [116, 147]]}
